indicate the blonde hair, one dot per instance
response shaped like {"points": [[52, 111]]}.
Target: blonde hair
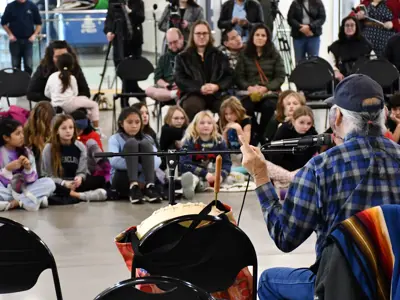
{"points": [[280, 107], [191, 43], [192, 133], [170, 113], [303, 111], [236, 106], [37, 128]]}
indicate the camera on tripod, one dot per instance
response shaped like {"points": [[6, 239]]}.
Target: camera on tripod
{"points": [[175, 18]]}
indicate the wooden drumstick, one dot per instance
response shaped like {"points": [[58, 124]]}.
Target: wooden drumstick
{"points": [[217, 182]]}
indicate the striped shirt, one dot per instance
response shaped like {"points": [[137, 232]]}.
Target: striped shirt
{"points": [[361, 173]]}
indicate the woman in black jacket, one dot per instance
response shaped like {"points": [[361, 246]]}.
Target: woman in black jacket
{"points": [[48, 66], [306, 18], [247, 14], [130, 45], [349, 48], [202, 72]]}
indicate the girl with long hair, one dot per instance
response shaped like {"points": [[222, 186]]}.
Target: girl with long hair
{"points": [[36, 130], [199, 170], [131, 176], [288, 102], [62, 89], [300, 125], [234, 122], [19, 182], [65, 161]]}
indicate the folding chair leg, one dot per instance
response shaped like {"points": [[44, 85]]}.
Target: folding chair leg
{"points": [[114, 122], [30, 105], [8, 102], [159, 116]]}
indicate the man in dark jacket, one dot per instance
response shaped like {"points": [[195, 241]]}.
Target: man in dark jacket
{"points": [[166, 89], [241, 15], [127, 37], [22, 22], [202, 72], [270, 9]]}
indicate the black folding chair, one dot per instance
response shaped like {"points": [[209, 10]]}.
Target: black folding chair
{"points": [[383, 72], [315, 78], [24, 256], [174, 288], [209, 257], [135, 69], [14, 83]]}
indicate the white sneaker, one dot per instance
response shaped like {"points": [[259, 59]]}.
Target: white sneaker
{"points": [[96, 195], [189, 183], [4, 205], [44, 202]]}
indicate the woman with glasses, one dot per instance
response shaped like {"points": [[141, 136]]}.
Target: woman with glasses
{"points": [[202, 72], [349, 48]]}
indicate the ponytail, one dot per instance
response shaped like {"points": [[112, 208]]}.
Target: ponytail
{"points": [[65, 77], [65, 64]]}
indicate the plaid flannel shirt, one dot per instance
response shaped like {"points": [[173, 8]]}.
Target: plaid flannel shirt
{"points": [[361, 173]]}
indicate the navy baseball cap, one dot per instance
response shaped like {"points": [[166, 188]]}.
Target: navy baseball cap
{"points": [[351, 92]]}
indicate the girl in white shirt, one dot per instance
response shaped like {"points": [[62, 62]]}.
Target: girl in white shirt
{"points": [[62, 89]]}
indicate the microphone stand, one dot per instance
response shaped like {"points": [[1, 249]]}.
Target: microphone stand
{"points": [[155, 34], [173, 160]]}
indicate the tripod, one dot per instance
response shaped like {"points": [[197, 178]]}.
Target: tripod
{"points": [[283, 42], [173, 160]]}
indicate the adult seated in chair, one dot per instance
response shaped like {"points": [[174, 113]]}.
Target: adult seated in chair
{"points": [[202, 72], [166, 89], [349, 48], [242, 15], [48, 66], [361, 172], [231, 45], [261, 72]]}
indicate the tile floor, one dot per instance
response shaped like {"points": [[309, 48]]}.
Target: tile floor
{"points": [[81, 236]]}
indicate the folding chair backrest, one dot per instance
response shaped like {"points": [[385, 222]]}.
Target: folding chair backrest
{"points": [[380, 70], [14, 82], [24, 256], [135, 68], [314, 74], [174, 288], [209, 257]]}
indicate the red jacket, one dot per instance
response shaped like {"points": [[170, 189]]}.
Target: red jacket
{"points": [[394, 6], [93, 135]]}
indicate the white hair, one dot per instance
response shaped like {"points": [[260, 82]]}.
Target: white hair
{"points": [[362, 123]]}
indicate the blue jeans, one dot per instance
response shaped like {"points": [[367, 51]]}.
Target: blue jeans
{"points": [[306, 46], [22, 49], [286, 284]]}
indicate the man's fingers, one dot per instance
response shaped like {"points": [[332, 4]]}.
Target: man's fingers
{"points": [[256, 150], [245, 144]]}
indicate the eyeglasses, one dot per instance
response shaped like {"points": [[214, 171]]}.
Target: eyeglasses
{"points": [[350, 25], [201, 33], [173, 42]]}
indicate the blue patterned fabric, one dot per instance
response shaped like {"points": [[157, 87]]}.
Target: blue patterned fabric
{"points": [[361, 173]]}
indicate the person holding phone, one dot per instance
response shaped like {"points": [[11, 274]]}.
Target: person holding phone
{"points": [[241, 15]]}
